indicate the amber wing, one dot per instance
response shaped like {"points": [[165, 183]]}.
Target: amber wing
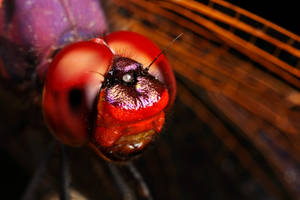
{"points": [[238, 74]]}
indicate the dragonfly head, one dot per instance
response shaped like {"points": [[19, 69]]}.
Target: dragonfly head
{"points": [[99, 93], [130, 110]]}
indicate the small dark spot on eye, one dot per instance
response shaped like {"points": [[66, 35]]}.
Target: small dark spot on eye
{"points": [[75, 99], [54, 53]]}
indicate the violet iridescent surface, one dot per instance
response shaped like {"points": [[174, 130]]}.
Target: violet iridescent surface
{"points": [[41, 23], [40, 26], [143, 91], [124, 65]]}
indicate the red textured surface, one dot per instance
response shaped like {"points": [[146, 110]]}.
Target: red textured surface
{"points": [[114, 121], [124, 115], [107, 134], [73, 68]]}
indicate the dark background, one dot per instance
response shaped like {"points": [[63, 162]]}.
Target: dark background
{"points": [[283, 13]]}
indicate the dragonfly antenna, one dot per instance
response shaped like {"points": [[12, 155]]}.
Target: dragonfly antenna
{"points": [[97, 73], [162, 51]]}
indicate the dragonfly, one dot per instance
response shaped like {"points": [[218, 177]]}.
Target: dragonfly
{"points": [[234, 129]]}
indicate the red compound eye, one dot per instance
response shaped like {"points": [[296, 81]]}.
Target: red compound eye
{"points": [[71, 88], [129, 101]]}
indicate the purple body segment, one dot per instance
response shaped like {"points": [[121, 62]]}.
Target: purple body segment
{"points": [[39, 27], [42, 23]]}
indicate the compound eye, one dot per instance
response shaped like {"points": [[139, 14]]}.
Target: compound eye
{"points": [[75, 99], [128, 78], [71, 87]]}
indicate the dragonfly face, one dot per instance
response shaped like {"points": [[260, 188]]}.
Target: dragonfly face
{"points": [[95, 94]]}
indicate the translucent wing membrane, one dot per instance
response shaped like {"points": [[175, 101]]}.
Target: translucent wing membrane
{"points": [[238, 73]]}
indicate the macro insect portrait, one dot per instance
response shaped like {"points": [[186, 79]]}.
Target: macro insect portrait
{"points": [[147, 99]]}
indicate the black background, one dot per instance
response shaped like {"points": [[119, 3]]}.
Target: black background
{"points": [[283, 13]]}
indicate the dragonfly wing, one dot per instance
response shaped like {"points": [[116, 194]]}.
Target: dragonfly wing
{"points": [[237, 75]]}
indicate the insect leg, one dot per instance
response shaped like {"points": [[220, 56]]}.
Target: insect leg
{"points": [[64, 174], [39, 173], [140, 181], [126, 191]]}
